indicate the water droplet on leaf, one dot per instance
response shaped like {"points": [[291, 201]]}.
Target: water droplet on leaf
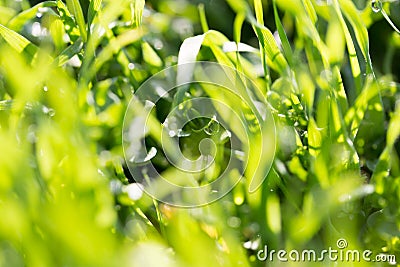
{"points": [[376, 6]]}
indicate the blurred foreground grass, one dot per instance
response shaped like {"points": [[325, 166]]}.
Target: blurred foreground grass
{"points": [[67, 73]]}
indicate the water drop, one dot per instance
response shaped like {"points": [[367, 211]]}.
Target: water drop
{"points": [[212, 128], [376, 6]]}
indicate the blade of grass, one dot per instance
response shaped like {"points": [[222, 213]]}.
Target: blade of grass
{"points": [[355, 66], [137, 12], [18, 42], [94, 8], [203, 19], [260, 20], [68, 53], [17, 22], [69, 23], [287, 50]]}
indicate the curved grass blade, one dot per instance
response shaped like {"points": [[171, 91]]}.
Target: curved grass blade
{"points": [[17, 22], [69, 23], [68, 53], [385, 15]]}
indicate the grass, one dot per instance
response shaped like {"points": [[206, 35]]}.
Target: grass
{"points": [[68, 71]]}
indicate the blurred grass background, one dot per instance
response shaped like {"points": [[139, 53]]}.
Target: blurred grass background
{"points": [[68, 70]]}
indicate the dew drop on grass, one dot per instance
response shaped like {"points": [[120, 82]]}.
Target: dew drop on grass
{"points": [[324, 2], [376, 6], [131, 66]]}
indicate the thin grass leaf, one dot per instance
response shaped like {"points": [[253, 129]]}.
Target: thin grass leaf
{"points": [[354, 17], [310, 10], [70, 25], [287, 50], [385, 15], [137, 12], [68, 53], [94, 8], [356, 113], [237, 27], [355, 66], [18, 42], [203, 19], [75, 7], [17, 22], [237, 35], [6, 14], [384, 164], [393, 132], [150, 56]]}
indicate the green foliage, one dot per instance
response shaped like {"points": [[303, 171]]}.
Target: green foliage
{"points": [[66, 78]]}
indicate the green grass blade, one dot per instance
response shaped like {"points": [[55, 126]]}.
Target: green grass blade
{"points": [[203, 19], [114, 47], [69, 22], [69, 52], [310, 10], [94, 8], [18, 42], [355, 66], [137, 13], [287, 50], [17, 22], [354, 17], [6, 14], [150, 56], [385, 15], [75, 7]]}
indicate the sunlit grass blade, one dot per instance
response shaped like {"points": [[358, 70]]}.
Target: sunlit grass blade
{"points": [[114, 47], [382, 169], [260, 20], [137, 12], [385, 15], [75, 8], [70, 25], [18, 42], [203, 19], [69, 52], [355, 66], [17, 22], [287, 50], [94, 7]]}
